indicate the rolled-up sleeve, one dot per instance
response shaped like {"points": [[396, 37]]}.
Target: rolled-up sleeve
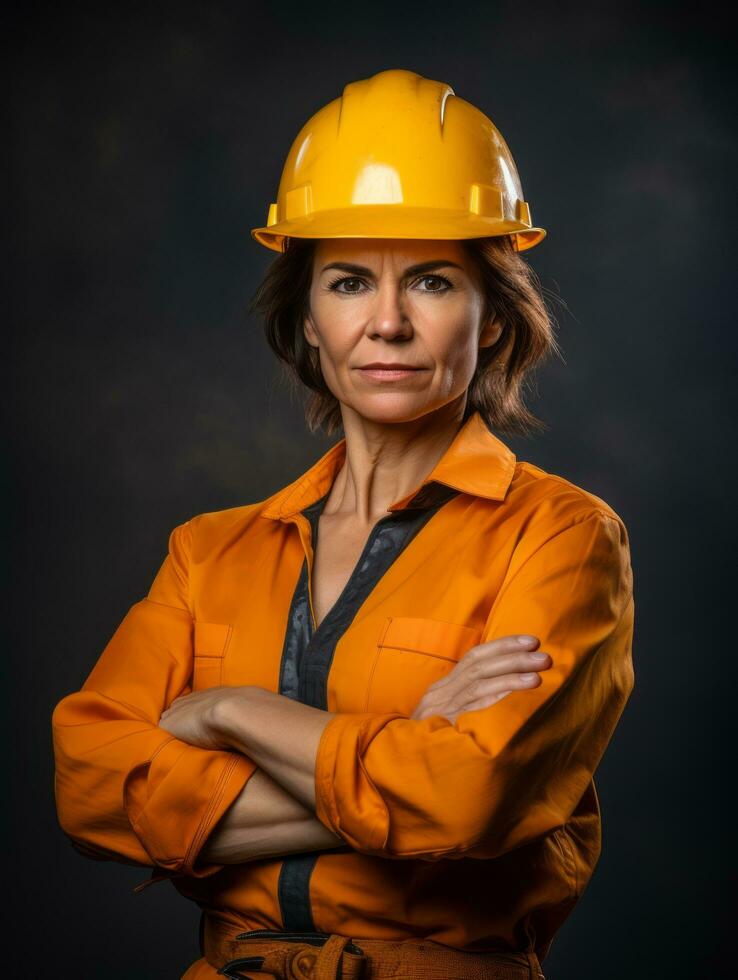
{"points": [[125, 788], [502, 775]]}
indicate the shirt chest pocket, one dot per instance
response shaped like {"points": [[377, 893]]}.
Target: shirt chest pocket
{"points": [[412, 653], [210, 646]]}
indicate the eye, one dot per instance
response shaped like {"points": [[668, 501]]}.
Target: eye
{"points": [[339, 282], [349, 282], [437, 279]]}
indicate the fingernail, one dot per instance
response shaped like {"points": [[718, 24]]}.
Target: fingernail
{"points": [[539, 656], [527, 677], [525, 640]]}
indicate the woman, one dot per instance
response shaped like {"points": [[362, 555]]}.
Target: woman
{"points": [[358, 722]]}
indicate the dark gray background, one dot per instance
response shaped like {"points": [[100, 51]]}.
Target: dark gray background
{"points": [[145, 144]]}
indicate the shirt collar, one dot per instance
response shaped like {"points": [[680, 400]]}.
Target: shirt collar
{"points": [[476, 462]]}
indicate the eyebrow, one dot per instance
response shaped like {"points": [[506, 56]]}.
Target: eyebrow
{"points": [[362, 270]]}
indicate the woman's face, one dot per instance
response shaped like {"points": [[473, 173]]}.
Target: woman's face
{"points": [[417, 303]]}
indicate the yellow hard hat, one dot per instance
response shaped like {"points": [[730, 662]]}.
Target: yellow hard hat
{"points": [[399, 156]]}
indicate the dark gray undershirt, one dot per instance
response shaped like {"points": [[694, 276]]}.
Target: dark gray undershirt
{"points": [[307, 654]]}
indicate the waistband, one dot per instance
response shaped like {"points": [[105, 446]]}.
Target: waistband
{"points": [[263, 953]]}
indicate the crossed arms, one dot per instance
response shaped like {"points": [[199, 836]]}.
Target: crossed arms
{"points": [[128, 789]]}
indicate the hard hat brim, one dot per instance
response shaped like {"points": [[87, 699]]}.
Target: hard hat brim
{"points": [[395, 221]]}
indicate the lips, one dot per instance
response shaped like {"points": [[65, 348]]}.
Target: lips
{"points": [[388, 373]]}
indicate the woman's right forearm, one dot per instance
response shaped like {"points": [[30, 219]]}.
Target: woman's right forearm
{"points": [[265, 821]]}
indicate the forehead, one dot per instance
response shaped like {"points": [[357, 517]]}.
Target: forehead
{"points": [[376, 252]]}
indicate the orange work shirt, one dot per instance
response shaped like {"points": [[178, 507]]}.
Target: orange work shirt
{"points": [[481, 834]]}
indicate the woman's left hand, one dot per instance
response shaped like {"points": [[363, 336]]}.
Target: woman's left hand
{"points": [[192, 717]]}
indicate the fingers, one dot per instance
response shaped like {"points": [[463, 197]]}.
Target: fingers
{"points": [[503, 655], [482, 694], [486, 674], [501, 665], [498, 658]]}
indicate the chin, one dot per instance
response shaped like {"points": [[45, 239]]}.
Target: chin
{"points": [[392, 409]]}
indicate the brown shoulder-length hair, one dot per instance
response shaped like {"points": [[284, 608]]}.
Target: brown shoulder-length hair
{"points": [[513, 293]]}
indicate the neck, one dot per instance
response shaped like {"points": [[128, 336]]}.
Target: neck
{"points": [[386, 461]]}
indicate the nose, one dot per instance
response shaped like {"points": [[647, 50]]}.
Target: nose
{"points": [[390, 317]]}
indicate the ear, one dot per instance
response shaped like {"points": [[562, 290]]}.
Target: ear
{"points": [[490, 332], [311, 335]]}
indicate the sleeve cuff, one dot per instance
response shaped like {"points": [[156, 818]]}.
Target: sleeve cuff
{"points": [[342, 804], [186, 790]]}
